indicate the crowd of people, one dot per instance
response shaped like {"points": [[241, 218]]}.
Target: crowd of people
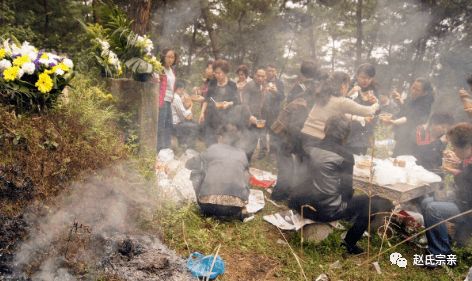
{"points": [[312, 132]]}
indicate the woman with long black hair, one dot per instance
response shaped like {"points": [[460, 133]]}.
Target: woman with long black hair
{"points": [[166, 94]]}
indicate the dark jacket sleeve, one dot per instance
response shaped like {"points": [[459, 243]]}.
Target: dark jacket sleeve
{"points": [[234, 96], [463, 196], [195, 163], [294, 92], [430, 155]]}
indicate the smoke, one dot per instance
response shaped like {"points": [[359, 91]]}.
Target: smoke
{"points": [[170, 22], [401, 20], [106, 203]]}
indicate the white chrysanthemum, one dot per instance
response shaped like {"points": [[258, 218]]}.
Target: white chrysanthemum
{"points": [[28, 67], [15, 50], [59, 72], [30, 51], [68, 62], [104, 44], [113, 59], [4, 64], [33, 55], [44, 61], [20, 74], [7, 47], [148, 46], [54, 58]]}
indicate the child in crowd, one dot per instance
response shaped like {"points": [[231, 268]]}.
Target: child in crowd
{"points": [[185, 129], [387, 105]]}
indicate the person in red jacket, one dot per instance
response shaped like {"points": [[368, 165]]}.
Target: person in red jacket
{"points": [[166, 95]]}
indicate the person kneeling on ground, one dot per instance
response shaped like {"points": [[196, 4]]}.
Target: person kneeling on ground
{"points": [[439, 243], [220, 177], [328, 189]]}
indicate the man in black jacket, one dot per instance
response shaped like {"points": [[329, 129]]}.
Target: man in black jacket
{"points": [[329, 190]]}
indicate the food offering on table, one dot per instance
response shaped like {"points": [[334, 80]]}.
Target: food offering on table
{"points": [[260, 123], [399, 163], [391, 171], [364, 164]]}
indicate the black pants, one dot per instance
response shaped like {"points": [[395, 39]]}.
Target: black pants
{"points": [[164, 126], [357, 210], [220, 211]]}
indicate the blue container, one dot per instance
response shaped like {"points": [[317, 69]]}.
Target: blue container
{"points": [[199, 265]]}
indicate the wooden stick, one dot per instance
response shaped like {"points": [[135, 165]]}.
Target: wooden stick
{"points": [[213, 263], [410, 238], [295, 255], [385, 232], [301, 229], [371, 179], [185, 239]]}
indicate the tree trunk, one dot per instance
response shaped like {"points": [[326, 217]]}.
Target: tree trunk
{"points": [[140, 11], [241, 47], [95, 17], [333, 53], [211, 32], [192, 46], [311, 39], [419, 55], [359, 33]]}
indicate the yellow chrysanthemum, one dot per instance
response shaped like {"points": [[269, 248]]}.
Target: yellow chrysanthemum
{"points": [[63, 66], [2, 53], [52, 70], [11, 73], [44, 83], [19, 61]]}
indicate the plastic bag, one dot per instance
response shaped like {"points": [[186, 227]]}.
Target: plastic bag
{"points": [[165, 155], [200, 265]]}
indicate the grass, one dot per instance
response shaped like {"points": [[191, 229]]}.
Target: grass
{"points": [[256, 250]]}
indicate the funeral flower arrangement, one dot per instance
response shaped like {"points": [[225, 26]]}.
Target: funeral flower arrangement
{"points": [[118, 48], [31, 79], [108, 59]]}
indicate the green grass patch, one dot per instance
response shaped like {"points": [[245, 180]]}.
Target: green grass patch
{"points": [[256, 250]]}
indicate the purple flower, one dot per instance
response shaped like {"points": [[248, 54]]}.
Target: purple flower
{"points": [[36, 63], [51, 64]]}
